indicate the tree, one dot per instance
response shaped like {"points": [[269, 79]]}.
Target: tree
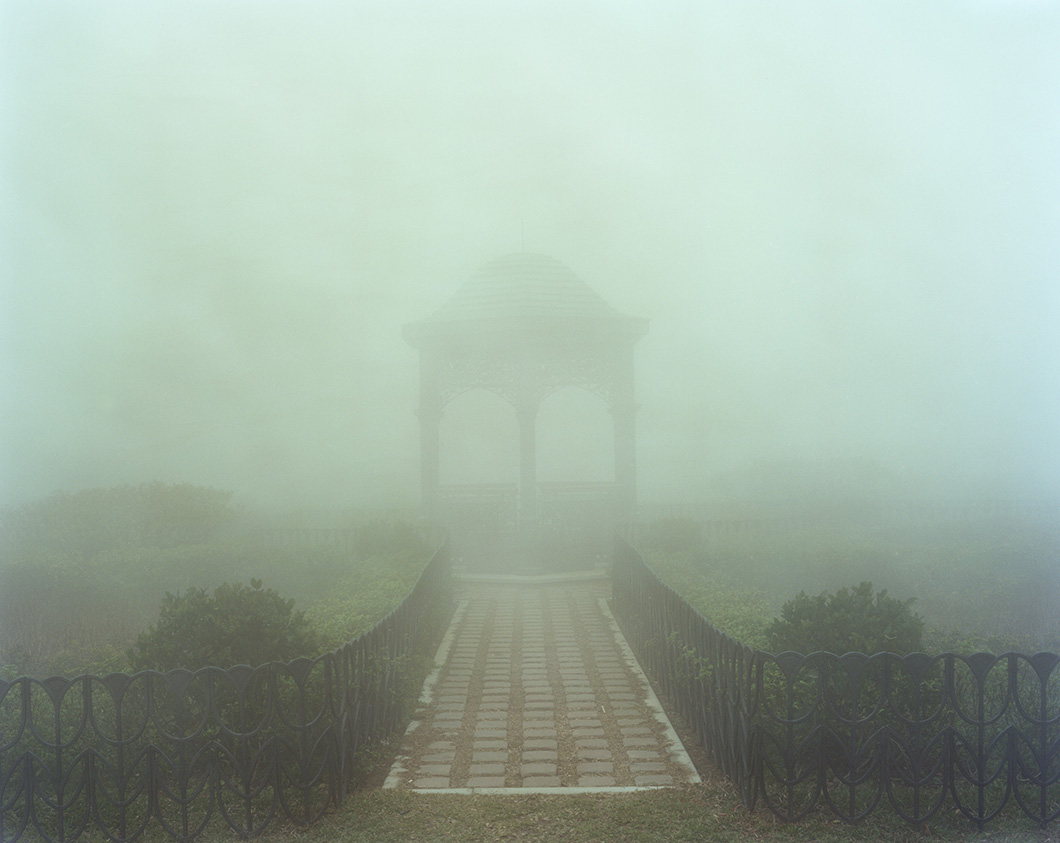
{"points": [[236, 625], [850, 620]]}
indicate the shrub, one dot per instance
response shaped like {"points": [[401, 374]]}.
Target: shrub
{"points": [[236, 625], [850, 620]]}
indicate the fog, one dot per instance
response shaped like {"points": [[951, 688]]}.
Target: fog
{"points": [[842, 220]]}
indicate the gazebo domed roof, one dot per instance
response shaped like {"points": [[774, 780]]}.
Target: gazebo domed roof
{"points": [[525, 297], [523, 286]]}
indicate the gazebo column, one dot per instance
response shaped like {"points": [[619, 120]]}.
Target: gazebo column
{"points": [[430, 424], [623, 417], [527, 415], [430, 416]]}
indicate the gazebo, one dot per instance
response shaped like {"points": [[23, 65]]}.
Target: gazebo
{"points": [[523, 327]]}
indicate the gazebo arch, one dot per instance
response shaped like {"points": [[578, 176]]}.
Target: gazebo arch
{"points": [[523, 327]]}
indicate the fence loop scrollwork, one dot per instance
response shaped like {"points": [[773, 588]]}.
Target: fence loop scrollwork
{"points": [[113, 755], [853, 732]]}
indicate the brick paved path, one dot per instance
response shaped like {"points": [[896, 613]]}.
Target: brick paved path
{"points": [[538, 689]]}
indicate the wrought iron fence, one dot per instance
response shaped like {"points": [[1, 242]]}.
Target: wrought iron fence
{"points": [[849, 733], [113, 755]]}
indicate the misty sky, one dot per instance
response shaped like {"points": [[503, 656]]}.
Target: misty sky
{"points": [[842, 219]]}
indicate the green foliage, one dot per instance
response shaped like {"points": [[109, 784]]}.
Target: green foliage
{"points": [[358, 602], [979, 586], [381, 537], [83, 524], [82, 574], [56, 610], [738, 610], [236, 625], [850, 620], [837, 489], [346, 596], [671, 535]]}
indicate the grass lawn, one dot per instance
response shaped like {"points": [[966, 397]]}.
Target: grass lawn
{"points": [[701, 813]]}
